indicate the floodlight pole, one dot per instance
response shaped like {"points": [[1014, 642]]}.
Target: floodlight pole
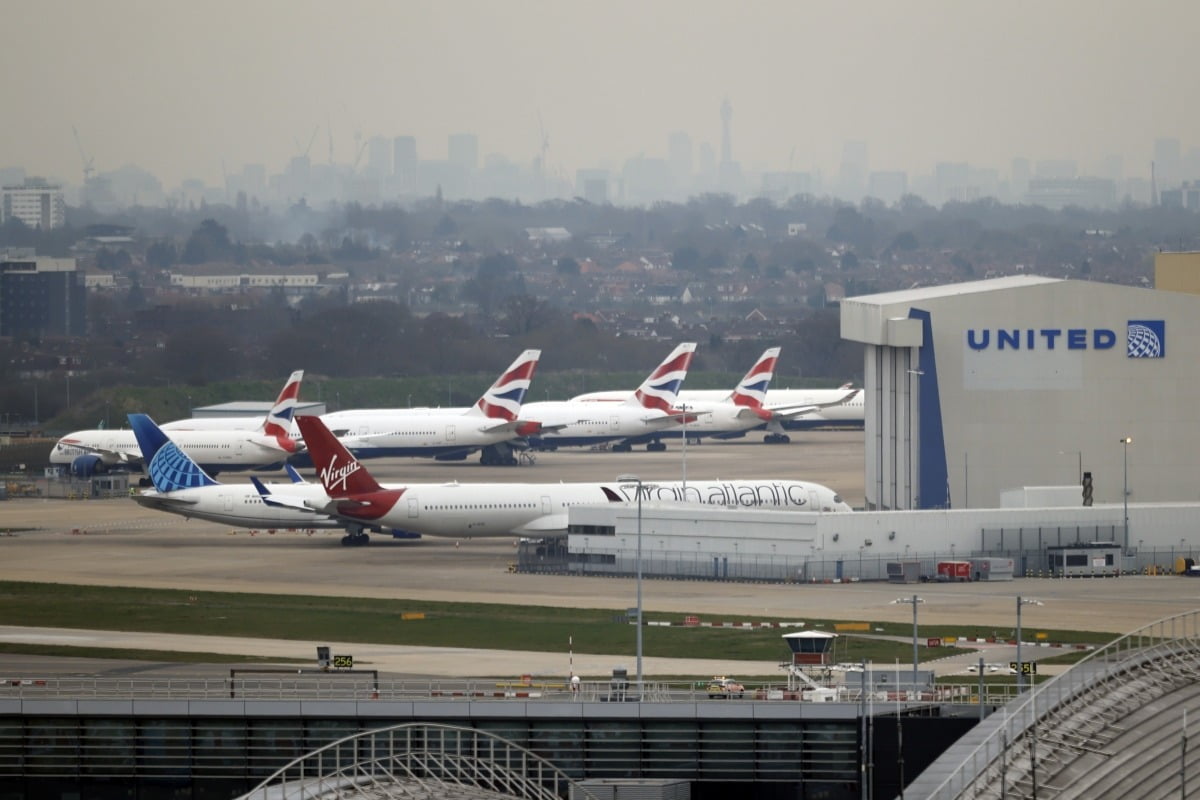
{"points": [[1126, 441], [638, 563]]}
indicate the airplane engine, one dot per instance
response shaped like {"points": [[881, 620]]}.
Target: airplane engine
{"points": [[87, 466]]}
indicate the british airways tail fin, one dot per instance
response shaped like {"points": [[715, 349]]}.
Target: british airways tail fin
{"points": [[340, 473], [278, 422], [503, 400], [169, 468], [660, 390], [751, 391]]}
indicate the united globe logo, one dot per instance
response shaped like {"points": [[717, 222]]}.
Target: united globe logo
{"points": [[1146, 338]]}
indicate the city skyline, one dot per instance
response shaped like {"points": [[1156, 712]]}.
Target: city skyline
{"points": [[198, 92]]}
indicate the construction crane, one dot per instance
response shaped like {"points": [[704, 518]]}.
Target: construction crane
{"points": [[87, 161], [311, 139]]}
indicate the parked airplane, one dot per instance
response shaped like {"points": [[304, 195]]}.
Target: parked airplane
{"points": [[503, 509], [787, 409], [488, 425], [267, 447], [568, 423], [732, 416]]}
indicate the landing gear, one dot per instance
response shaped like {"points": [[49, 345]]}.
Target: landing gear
{"points": [[356, 537], [776, 438], [497, 455], [622, 447], [656, 447]]}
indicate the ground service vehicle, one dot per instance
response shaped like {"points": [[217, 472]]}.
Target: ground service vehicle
{"points": [[721, 686]]}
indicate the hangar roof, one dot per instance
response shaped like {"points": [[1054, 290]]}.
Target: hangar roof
{"points": [[952, 289], [881, 319]]}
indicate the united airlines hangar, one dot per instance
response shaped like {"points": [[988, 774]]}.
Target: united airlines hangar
{"points": [[1005, 419]]}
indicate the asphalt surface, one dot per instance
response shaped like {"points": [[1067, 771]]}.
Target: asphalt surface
{"points": [[118, 543]]}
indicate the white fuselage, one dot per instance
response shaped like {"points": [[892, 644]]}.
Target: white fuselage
{"points": [[850, 412], [213, 450], [574, 424], [393, 433], [478, 510]]}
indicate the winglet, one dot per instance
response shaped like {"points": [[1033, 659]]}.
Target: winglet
{"points": [[661, 388], [503, 398], [340, 472], [169, 468]]}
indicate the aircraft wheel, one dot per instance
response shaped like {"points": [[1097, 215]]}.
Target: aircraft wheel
{"points": [[656, 447], [622, 448]]}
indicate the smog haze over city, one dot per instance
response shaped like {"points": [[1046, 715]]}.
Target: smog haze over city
{"points": [[198, 90]]}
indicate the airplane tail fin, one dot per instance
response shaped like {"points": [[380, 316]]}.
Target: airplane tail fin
{"points": [[169, 467], [660, 390], [504, 398], [278, 423], [340, 472], [751, 391]]}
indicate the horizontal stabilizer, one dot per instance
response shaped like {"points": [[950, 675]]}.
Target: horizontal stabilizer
{"points": [[162, 501]]}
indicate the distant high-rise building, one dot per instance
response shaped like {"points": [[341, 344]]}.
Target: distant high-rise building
{"points": [[1019, 179], [36, 203], [379, 157], [679, 156], [1168, 163], [593, 185], [1056, 193], [779, 187], [42, 297], [463, 149], [1056, 169], [404, 162], [729, 172], [953, 182]]}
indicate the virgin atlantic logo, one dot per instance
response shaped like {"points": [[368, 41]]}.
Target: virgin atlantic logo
{"points": [[333, 476]]}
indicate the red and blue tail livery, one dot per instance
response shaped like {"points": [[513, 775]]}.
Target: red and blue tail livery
{"points": [[751, 391], [660, 390], [279, 419], [503, 400]]}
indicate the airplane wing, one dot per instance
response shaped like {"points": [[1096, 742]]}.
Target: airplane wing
{"points": [[676, 415], [271, 447], [791, 412], [120, 455], [282, 500], [533, 428]]}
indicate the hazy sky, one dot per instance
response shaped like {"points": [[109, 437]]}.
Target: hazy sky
{"points": [[181, 87]]}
